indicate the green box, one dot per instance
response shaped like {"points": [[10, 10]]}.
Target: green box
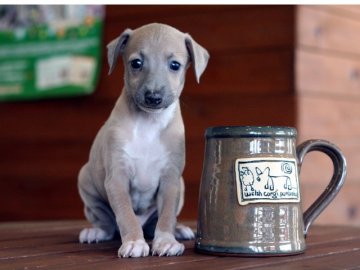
{"points": [[49, 51]]}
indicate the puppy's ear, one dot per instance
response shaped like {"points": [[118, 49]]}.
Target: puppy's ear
{"points": [[117, 47], [198, 56]]}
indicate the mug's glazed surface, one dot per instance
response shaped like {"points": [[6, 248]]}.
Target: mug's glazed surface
{"points": [[255, 217]]}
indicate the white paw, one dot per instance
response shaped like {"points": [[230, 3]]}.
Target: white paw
{"points": [[138, 248], [184, 232], [166, 245], [90, 235]]}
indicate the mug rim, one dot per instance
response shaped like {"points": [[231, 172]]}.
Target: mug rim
{"points": [[249, 131]]}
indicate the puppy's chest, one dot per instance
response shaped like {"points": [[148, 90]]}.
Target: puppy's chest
{"points": [[148, 157]]}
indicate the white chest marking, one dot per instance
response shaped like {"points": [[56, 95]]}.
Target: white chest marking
{"points": [[148, 157]]}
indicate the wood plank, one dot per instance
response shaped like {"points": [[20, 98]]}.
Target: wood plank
{"points": [[48, 250], [53, 120], [346, 259], [324, 234], [190, 209], [339, 125], [328, 118], [327, 74], [55, 245], [335, 120], [238, 29], [103, 259], [52, 245], [39, 229], [323, 30], [49, 231], [345, 209], [352, 11], [35, 160], [132, 12], [257, 73], [198, 261], [318, 167], [40, 199], [200, 113]]}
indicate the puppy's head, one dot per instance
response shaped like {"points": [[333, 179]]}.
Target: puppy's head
{"points": [[156, 57]]}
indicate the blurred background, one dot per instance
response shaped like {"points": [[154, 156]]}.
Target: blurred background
{"points": [[270, 65]]}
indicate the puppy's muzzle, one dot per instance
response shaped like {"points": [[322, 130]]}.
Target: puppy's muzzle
{"points": [[153, 99]]}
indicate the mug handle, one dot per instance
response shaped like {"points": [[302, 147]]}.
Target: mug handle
{"points": [[336, 182]]}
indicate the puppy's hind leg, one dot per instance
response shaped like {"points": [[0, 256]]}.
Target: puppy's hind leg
{"points": [[100, 231], [97, 212], [183, 232]]}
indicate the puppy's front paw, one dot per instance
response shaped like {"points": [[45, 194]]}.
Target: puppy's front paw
{"points": [[138, 248], [90, 235], [166, 245]]}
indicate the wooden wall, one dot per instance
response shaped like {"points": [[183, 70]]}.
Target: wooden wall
{"points": [[328, 101], [249, 81]]}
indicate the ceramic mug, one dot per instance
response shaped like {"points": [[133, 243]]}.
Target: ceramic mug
{"points": [[249, 201]]}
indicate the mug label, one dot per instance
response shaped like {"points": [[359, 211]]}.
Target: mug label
{"points": [[271, 180]]}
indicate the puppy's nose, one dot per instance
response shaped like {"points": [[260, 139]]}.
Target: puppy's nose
{"points": [[153, 98]]}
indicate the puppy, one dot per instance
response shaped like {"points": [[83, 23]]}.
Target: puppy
{"points": [[137, 159]]}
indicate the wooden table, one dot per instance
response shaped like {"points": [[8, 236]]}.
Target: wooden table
{"points": [[54, 245]]}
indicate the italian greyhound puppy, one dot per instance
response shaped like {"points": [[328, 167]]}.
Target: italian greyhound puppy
{"points": [[136, 161]]}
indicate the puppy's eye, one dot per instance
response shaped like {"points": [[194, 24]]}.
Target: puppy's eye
{"points": [[136, 64], [174, 65]]}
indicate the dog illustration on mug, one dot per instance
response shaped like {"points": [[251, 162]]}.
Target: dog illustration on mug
{"points": [[265, 176]]}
